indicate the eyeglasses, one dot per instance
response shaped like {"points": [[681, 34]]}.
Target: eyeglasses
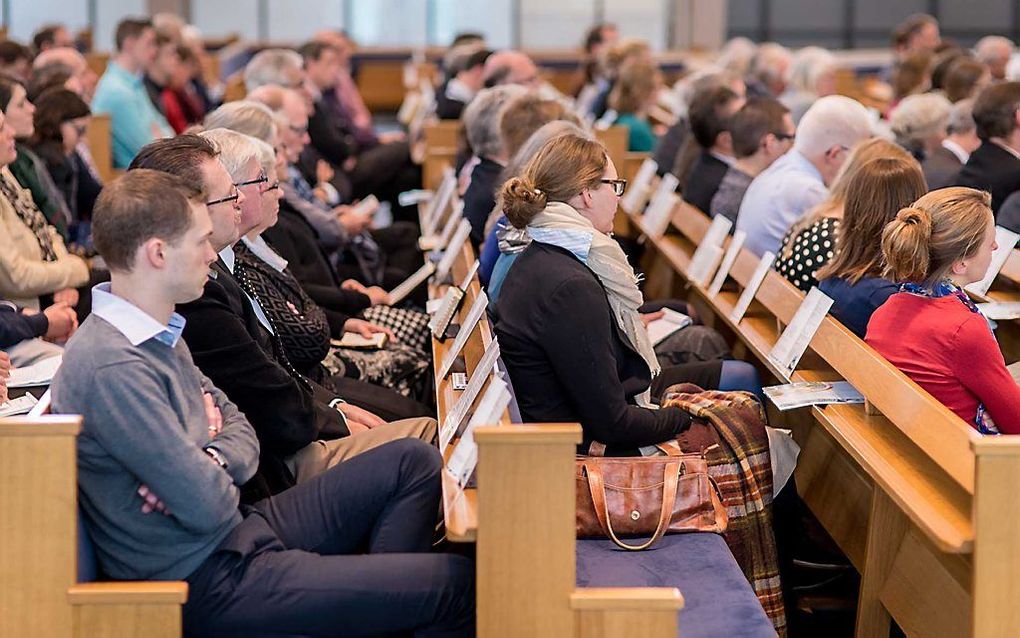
{"points": [[619, 185], [261, 179], [782, 137], [223, 200], [272, 187]]}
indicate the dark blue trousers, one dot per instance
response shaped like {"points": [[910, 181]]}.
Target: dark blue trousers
{"points": [[345, 554]]}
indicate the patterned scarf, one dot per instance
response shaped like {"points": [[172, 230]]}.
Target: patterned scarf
{"points": [[28, 212], [945, 288]]}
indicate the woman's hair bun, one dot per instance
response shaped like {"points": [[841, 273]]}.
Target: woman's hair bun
{"points": [[914, 216], [521, 201]]}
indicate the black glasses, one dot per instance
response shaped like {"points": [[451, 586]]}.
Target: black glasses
{"points": [[223, 200], [619, 185], [261, 179], [272, 187]]}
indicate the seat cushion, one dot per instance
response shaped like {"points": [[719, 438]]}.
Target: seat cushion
{"points": [[88, 568], [718, 600]]}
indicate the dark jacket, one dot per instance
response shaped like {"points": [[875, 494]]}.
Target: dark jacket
{"points": [[231, 347], [941, 168], [566, 357], [994, 169], [328, 137], [480, 197], [706, 174], [665, 154], [295, 240], [448, 108], [16, 327]]}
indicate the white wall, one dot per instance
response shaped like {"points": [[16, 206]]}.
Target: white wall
{"points": [[26, 16], [218, 18], [108, 14], [296, 20]]}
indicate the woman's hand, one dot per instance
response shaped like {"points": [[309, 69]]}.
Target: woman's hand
{"points": [[365, 328], [375, 294], [647, 318], [67, 296]]}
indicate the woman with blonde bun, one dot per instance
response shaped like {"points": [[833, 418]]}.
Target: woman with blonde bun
{"points": [[930, 329], [567, 317]]}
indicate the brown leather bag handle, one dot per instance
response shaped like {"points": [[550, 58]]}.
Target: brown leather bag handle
{"points": [[670, 479]]}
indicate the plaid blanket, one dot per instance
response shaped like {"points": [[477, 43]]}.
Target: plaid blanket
{"points": [[734, 422]]}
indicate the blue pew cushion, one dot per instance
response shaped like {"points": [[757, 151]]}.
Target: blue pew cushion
{"points": [[88, 567], [718, 600]]}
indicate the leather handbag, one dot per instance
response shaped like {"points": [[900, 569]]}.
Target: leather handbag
{"points": [[647, 495]]}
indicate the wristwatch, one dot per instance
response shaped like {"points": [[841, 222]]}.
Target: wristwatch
{"points": [[217, 456]]}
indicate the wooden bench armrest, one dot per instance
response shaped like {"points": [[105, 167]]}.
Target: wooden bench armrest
{"points": [[626, 598], [129, 593]]}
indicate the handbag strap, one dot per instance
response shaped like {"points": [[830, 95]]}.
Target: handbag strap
{"points": [[671, 477]]}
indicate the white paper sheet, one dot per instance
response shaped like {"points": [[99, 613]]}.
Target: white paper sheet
{"points": [[438, 204], [746, 297], [455, 416], [1000, 311], [464, 458], [16, 407], [709, 251], [40, 373], [474, 314], [670, 322], [797, 337], [639, 189], [453, 249], [1006, 240], [732, 251], [406, 287]]}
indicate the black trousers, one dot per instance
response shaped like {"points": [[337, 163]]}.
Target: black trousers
{"points": [[386, 171], [345, 554]]}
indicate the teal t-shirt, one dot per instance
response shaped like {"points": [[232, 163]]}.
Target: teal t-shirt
{"points": [[641, 138]]}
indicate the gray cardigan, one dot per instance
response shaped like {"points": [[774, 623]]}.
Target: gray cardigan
{"points": [[145, 422]]}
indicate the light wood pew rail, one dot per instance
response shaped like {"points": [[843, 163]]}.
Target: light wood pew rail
{"points": [[99, 138], [38, 555], [441, 139], [922, 505], [632, 611]]}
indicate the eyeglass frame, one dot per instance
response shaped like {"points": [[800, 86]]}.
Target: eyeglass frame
{"points": [[230, 198], [617, 184], [261, 179]]}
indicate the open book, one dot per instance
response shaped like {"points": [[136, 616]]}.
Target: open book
{"points": [[357, 342], [670, 322], [40, 373]]}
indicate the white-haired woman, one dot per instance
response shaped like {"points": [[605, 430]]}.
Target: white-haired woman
{"points": [[920, 123], [812, 74]]}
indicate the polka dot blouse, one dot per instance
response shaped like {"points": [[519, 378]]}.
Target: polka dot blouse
{"points": [[813, 247]]}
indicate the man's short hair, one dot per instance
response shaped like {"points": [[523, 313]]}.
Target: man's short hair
{"points": [[313, 50], [756, 119], [910, 27], [136, 207], [524, 115], [995, 110], [182, 156], [130, 28], [11, 52], [709, 115], [481, 119], [961, 118], [46, 36], [833, 120]]}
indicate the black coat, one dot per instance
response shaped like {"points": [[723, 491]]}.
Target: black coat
{"points": [[993, 169], [231, 347], [706, 174], [941, 168], [480, 197], [566, 357]]}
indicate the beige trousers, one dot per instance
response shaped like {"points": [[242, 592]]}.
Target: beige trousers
{"points": [[319, 456]]}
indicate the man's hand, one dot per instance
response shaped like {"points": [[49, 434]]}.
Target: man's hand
{"points": [[365, 329], [150, 502], [62, 322], [214, 416], [323, 171], [376, 295], [5, 365], [392, 136], [359, 417], [67, 296], [354, 222], [651, 316]]}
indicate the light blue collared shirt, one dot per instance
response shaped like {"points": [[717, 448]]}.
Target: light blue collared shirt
{"points": [[777, 199], [578, 242], [227, 255], [134, 323], [134, 121]]}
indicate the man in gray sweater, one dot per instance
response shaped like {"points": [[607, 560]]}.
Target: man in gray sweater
{"points": [[163, 452]]}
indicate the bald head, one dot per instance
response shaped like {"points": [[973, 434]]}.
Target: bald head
{"points": [[510, 67], [74, 62], [995, 51]]}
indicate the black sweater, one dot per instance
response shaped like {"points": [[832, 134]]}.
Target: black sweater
{"points": [[567, 358]]}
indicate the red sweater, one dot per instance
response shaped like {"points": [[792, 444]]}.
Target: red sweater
{"points": [[950, 352]]}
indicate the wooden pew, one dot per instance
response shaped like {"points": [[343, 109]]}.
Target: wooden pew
{"points": [[99, 138], [441, 142], [911, 493], [38, 555], [525, 546]]}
